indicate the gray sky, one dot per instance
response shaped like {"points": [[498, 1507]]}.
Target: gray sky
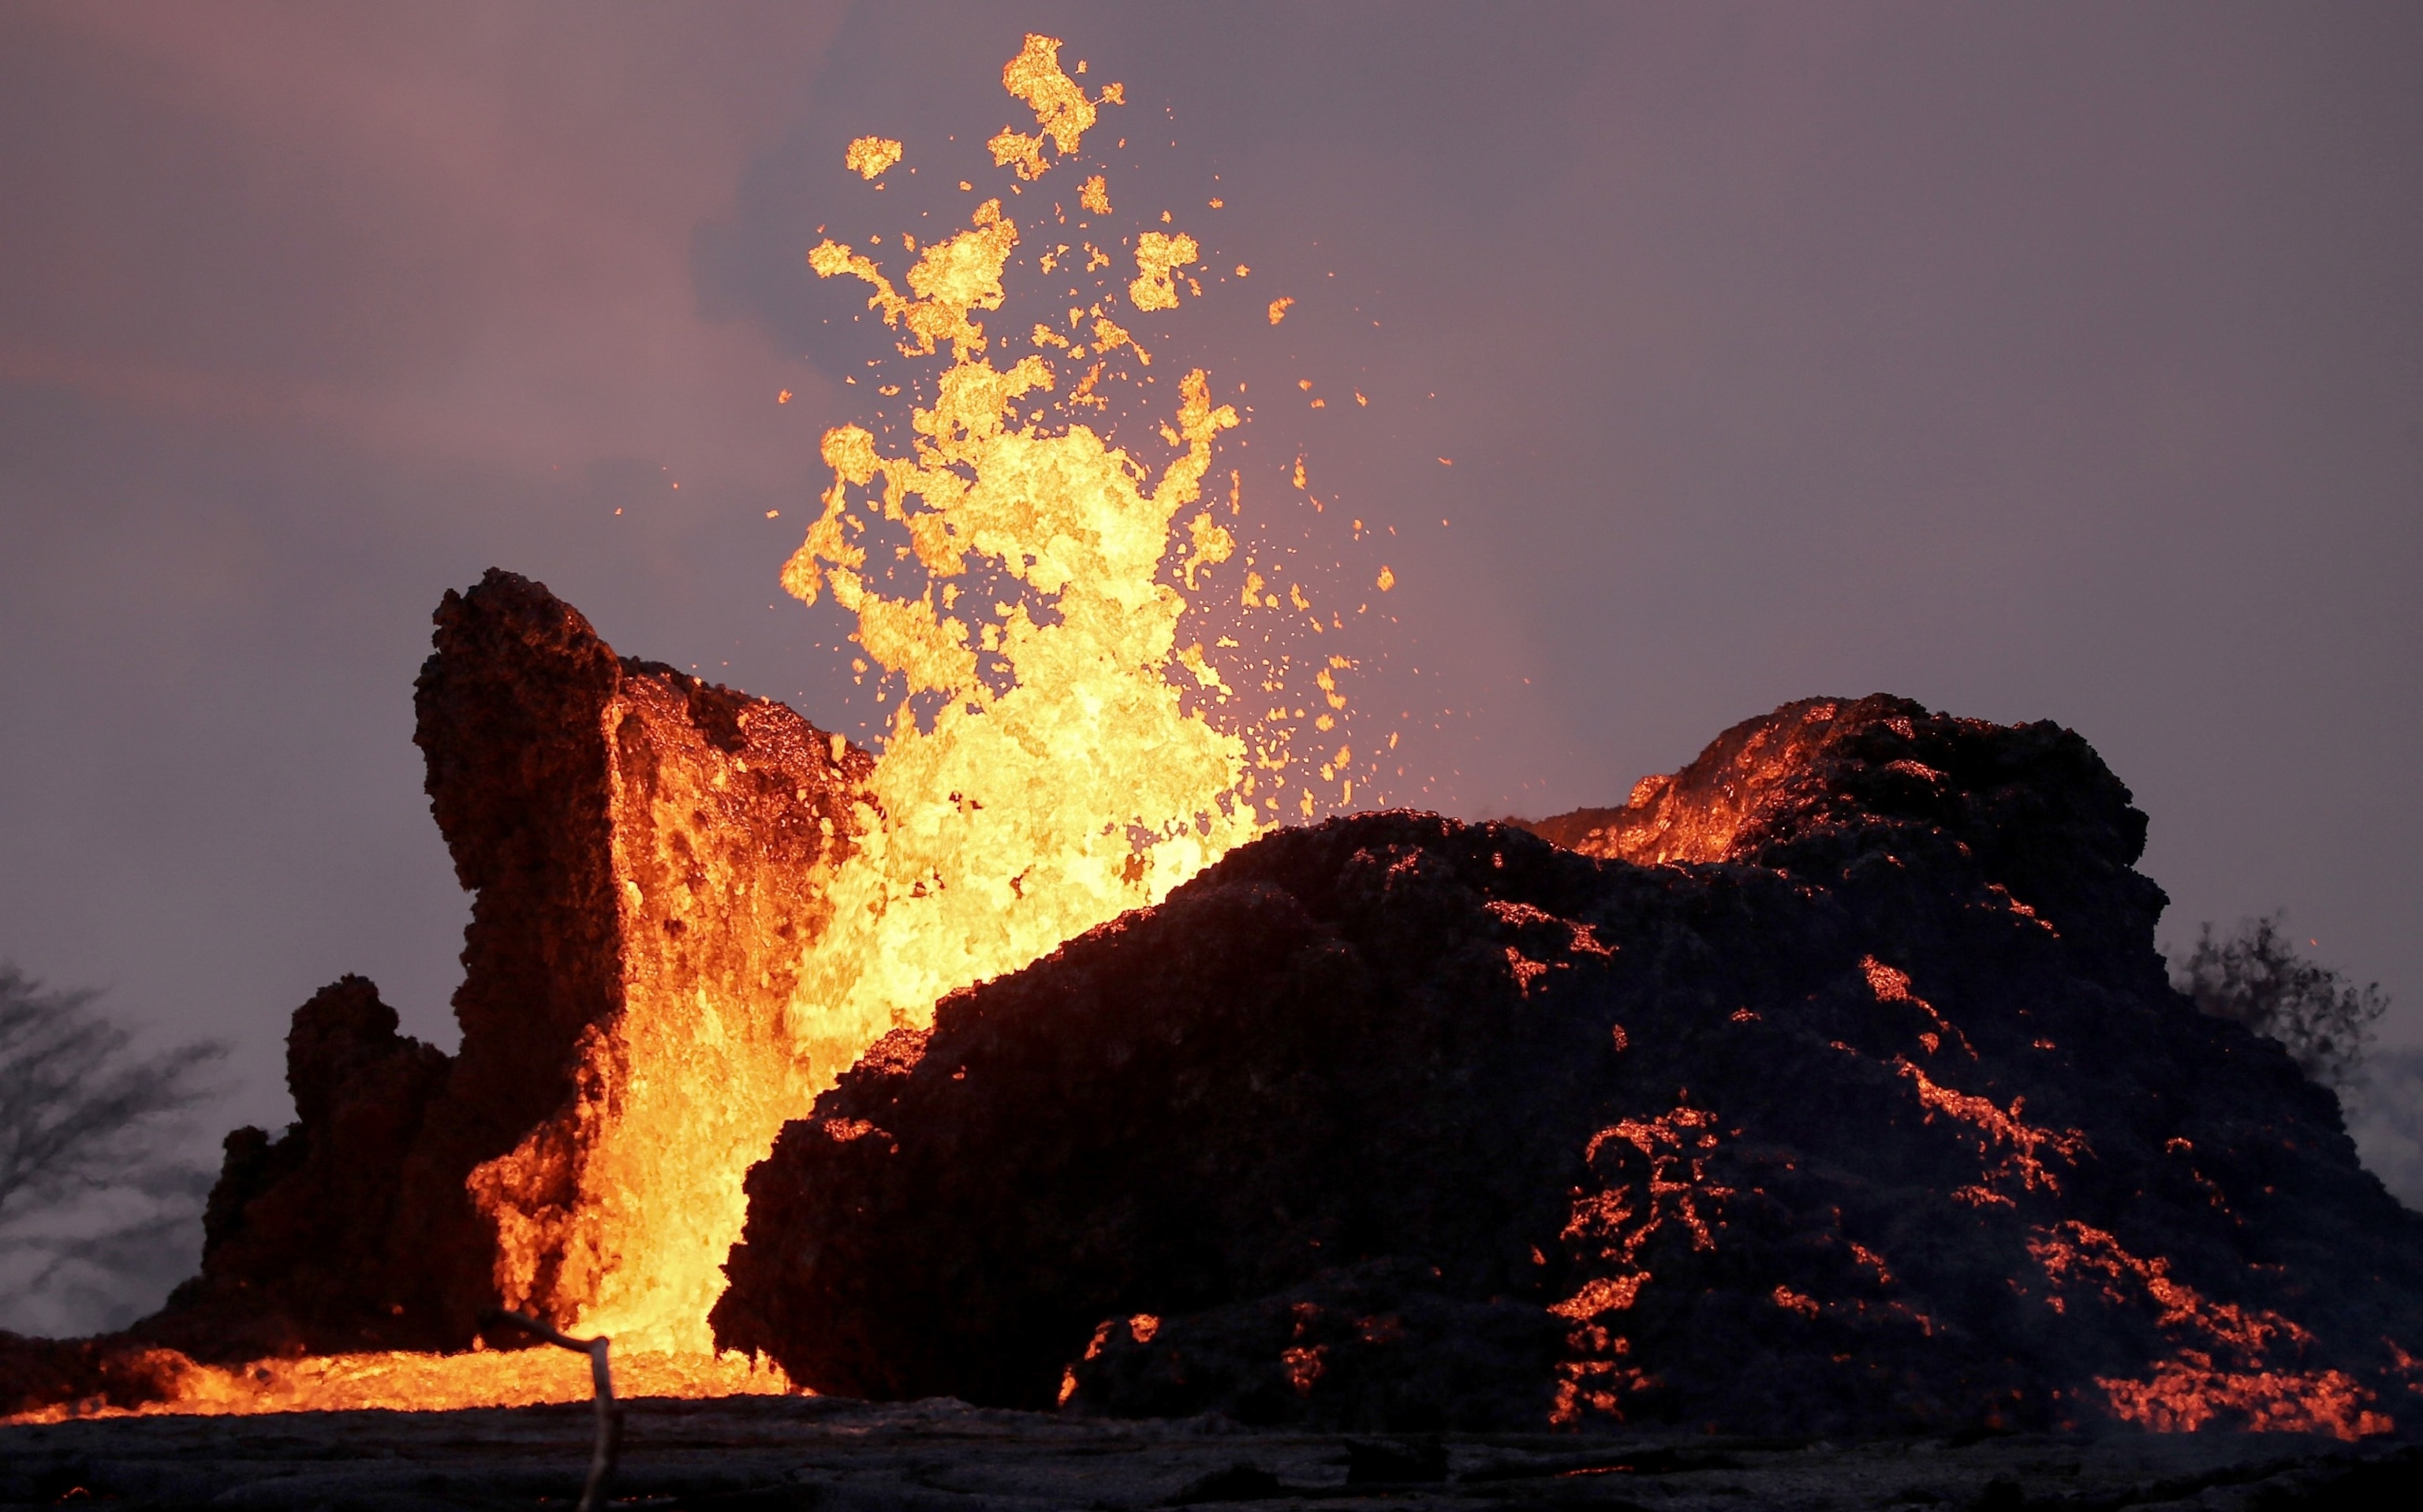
{"points": [[2046, 361]]}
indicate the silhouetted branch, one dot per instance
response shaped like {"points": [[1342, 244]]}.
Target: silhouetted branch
{"points": [[84, 1126], [601, 1377], [75, 1105]]}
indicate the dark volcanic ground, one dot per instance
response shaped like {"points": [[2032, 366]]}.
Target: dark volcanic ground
{"points": [[940, 1454]]}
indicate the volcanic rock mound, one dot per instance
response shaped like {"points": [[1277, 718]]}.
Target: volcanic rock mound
{"points": [[642, 845], [1840, 1091]]}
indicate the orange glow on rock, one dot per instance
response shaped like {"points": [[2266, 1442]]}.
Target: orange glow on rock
{"points": [[1652, 1174], [2223, 1373], [1049, 767], [1994, 1127], [1892, 986]]}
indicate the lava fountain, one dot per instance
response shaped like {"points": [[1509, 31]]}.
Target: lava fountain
{"points": [[1019, 581], [1042, 772]]}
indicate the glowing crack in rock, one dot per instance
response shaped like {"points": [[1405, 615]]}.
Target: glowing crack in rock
{"points": [[1892, 986], [2226, 1370], [1652, 1175], [1992, 1128]]}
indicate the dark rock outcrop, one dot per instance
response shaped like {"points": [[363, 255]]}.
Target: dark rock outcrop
{"points": [[297, 1241], [116, 1370], [635, 838], [1841, 1090]]}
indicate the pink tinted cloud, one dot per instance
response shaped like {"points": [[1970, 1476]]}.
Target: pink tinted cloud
{"points": [[467, 228]]}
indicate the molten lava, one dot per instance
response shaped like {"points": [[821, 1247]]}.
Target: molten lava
{"points": [[1055, 758], [2226, 1365], [428, 1383], [1042, 772]]}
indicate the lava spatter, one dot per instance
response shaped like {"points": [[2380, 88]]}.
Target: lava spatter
{"points": [[1018, 574], [1073, 738]]}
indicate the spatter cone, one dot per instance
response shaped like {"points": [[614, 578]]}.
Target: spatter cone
{"points": [[1832, 1084]]}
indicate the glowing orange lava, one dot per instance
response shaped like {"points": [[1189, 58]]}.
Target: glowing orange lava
{"points": [[1652, 1172], [1049, 762], [2224, 1370], [1053, 761], [1993, 1127], [337, 1383]]}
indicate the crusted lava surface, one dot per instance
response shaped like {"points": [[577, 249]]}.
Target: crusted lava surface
{"points": [[1831, 1086]]}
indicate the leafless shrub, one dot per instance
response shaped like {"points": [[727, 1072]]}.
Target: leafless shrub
{"points": [[91, 1196], [2255, 975]]}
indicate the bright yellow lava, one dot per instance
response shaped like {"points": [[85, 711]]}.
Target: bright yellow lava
{"points": [[1057, 780], [870, 157], [1049, 766], [433, 1383], [1042, 775]]}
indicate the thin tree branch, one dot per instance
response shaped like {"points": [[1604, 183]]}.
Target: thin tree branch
{"points": [[601, 1377]]}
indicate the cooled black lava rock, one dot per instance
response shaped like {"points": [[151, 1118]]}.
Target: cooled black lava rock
{"points": [[297, 1239], [1842, 1091]]}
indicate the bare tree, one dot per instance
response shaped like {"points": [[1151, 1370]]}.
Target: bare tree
{"points": [[2255, 977], [84, 1119]]}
